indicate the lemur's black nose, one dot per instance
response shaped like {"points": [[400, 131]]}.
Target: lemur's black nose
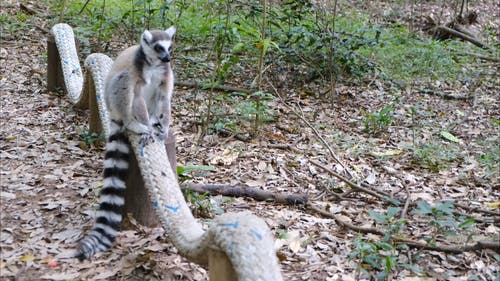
{"points": [[165, 58]]}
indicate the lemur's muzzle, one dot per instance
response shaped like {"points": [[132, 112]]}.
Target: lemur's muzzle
{"points": [[165, 58]]}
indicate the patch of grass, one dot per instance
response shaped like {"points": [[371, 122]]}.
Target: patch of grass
{"points": [[14, 23], [411, 60], [490, 157], [434, 157]]}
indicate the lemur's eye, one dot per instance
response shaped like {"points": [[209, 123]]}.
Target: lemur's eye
{"points": [[159, 48], [170, 48]]}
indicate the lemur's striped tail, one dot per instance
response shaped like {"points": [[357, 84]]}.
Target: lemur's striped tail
{"points": [[112, 198]]}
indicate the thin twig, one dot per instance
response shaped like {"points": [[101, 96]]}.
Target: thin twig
{"points": [[405, 187], [315, 131], [384, 196], [469, 112], [454, 249], [331, 65], [63, 8], [407, 202], [475, 209], [83, 7]]}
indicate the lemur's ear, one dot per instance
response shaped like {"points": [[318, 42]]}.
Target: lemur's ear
{"points": [[170, 31], [147, 37]]}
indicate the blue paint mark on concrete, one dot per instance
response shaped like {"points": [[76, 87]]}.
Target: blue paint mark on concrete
{"points": [[233, 225], [256, 233], [174, 209], [155, 204]]}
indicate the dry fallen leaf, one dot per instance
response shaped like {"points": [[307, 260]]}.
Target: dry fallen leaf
{"points": [[27, 257], [60, 276], [7, 195], [493, 205], [44, 163]]}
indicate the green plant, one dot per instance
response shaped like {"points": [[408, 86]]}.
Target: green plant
{"points": [[490, 156], [204, 204], [282, 234], [201, 202], [375, 259], [415, 61], [434, 157], [184, 172], [378, 122], [14, 23], [378, 259], [392, 226], [91, 138], [256, 108], [442, 219]]}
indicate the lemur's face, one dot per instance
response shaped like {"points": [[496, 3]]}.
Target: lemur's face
{"points": [[157, 45]]}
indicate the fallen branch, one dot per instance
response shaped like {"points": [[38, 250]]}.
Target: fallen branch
{"points": [[214, 87], [479, 56], [476, 209], [29, 9], [461, 35], [446, 96], [454, 249], [247, 191]]}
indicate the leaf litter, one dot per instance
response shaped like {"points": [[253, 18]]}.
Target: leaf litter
{"points": [[49, 180]]}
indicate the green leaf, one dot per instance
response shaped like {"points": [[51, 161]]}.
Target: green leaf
{"points": [[467, 223], [182, 170], [373, 261], [392, 211], [385, 246], [445, 207], [411, 267], [449, 223], [377, 216], [448, 136], [423, 208], [238, 47], [390, 262], [382, 275]]}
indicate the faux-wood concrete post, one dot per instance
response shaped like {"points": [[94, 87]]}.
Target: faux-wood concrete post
{"points": [[136, 198], [55, 80]]}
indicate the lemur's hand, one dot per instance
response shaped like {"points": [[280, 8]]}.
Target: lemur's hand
{"points": [[146, 139], [160, 131]]}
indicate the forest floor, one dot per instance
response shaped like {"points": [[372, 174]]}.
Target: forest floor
{"points": [[49, 177]]}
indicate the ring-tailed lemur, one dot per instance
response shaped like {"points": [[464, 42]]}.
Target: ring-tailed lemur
{"points": [[138, 91]]}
